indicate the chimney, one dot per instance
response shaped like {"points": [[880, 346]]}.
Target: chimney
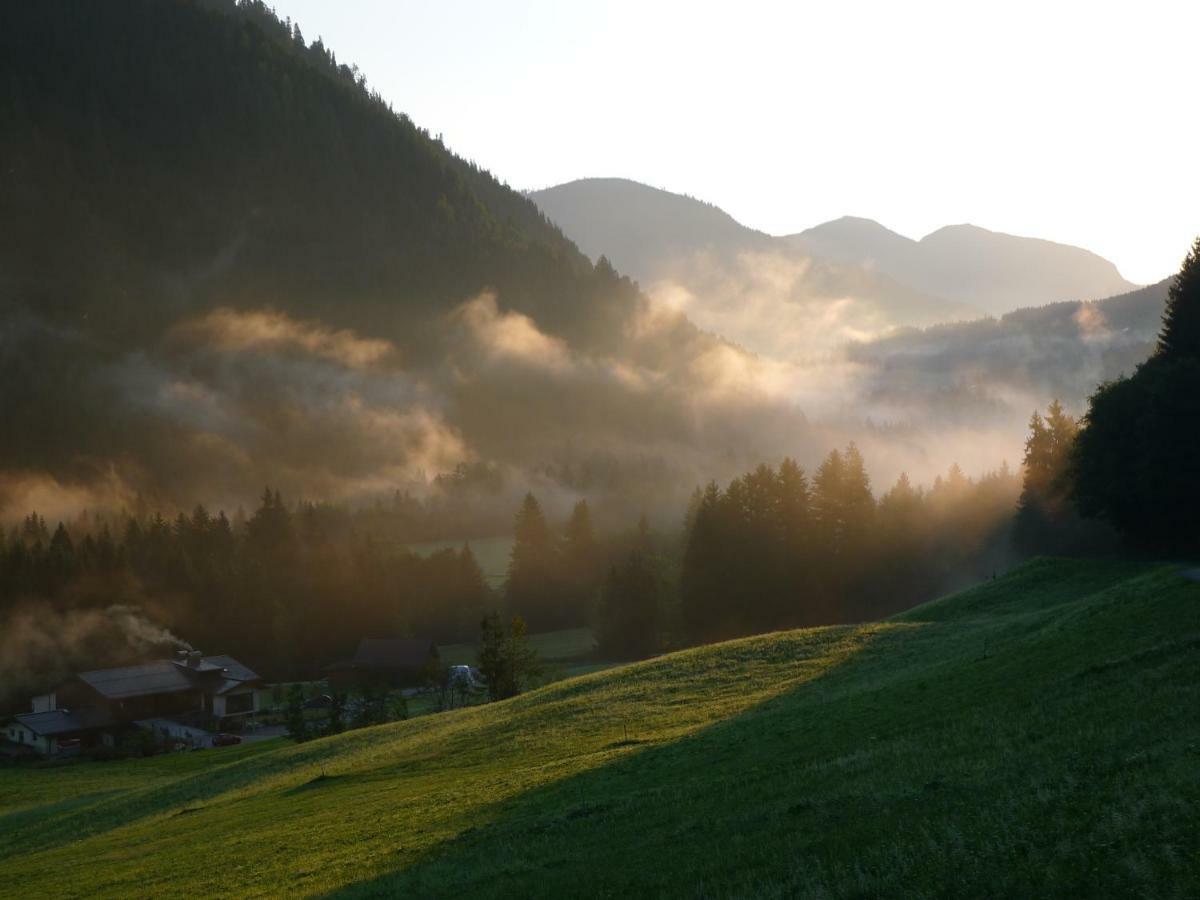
{"points": [[193, 658]]}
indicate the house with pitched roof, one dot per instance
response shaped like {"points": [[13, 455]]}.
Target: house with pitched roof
{"points": [[182, 699]]}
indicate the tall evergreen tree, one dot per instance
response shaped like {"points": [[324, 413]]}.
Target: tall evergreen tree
{"points": [[1135, 463], [1180, 335], [630, 612], [580, 558], [704, 576], [534, 588]]}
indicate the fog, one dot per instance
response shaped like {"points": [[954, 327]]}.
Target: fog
{"points": [[232, 399]]}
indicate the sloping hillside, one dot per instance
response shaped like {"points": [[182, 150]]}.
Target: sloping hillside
{"points": [[1034, 736], [227, 263]]}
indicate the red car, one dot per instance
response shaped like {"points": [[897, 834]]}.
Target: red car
{"points": [[225, 740]]}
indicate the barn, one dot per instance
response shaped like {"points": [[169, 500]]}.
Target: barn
{"points": [[385, 662]]}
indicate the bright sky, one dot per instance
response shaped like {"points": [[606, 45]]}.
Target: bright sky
{"points": [[1073, 121]]}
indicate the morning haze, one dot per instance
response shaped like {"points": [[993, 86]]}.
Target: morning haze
{"points": [[394, 501]]}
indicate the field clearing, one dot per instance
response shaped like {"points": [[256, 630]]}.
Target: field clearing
{"points": [[555, 646], [1035, 736], [491, 554]]}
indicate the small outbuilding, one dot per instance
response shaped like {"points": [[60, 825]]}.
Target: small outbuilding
{"points": [[386, 662], [59, 731]]}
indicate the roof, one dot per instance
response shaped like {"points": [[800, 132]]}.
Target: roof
{"points": [[233, 668], [232, 684], [387, 653], [163, 676], [62, 721]]}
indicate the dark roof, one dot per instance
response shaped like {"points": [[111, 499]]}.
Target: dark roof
{"points": [[385, 653], [62, 721], [233, 669], [163, 676], [232, 684]]}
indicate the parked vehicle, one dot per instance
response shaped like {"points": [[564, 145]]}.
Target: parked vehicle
{"points": [[466, 677], [225, 740]]}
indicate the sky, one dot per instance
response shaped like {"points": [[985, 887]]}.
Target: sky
{"points": [[1069, 121]]}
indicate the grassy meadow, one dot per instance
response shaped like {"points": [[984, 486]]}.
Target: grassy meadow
{"points": [[1038, 735]]}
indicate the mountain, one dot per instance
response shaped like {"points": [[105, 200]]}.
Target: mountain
{"points": [[851, 278], [638, 227], [227, 263], [740, 283], [1031, 737], [993, 271]]}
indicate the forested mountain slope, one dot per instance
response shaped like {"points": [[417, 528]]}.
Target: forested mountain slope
{"points": [[1033, 736], [225, 262], [164, 156]]}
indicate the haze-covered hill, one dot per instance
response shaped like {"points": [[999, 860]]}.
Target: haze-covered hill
{"points": [[225, 262], [730, 279], [1005, 367], [989, 270], [850, 278], [1035, 736]]}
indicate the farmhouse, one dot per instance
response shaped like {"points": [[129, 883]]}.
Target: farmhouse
{"points": [[391, 662], [180, 698]]}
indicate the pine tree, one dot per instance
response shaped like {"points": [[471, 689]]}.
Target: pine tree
{"points": [[858, 503], [630, 608], [580, 558], [297, 727], [1180, 335], [1045, 515], [827, 500], [505, 658], [704, 577], [534, 586]]}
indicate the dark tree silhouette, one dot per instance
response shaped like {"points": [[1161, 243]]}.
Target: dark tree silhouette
{"points": [[631, 608], [1180, 335], [1136, 463]]}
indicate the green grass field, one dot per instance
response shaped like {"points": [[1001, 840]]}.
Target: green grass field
{"points": [[1036, 736]]}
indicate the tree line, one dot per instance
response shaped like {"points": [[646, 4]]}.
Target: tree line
{"points": [[777, 548], [288, 589]]}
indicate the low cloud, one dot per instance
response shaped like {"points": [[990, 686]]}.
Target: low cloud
{"points": [[235, 331], [510, 336]]}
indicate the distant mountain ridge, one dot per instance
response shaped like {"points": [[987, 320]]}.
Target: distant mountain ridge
{"points": [[994, 271], [748, 286], [956, 272]]}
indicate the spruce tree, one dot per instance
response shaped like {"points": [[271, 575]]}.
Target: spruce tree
{"points": [[534, 586], [1180, 335]]}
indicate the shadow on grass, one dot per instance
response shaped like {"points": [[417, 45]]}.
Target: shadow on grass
{"points": [[544, 834]]}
